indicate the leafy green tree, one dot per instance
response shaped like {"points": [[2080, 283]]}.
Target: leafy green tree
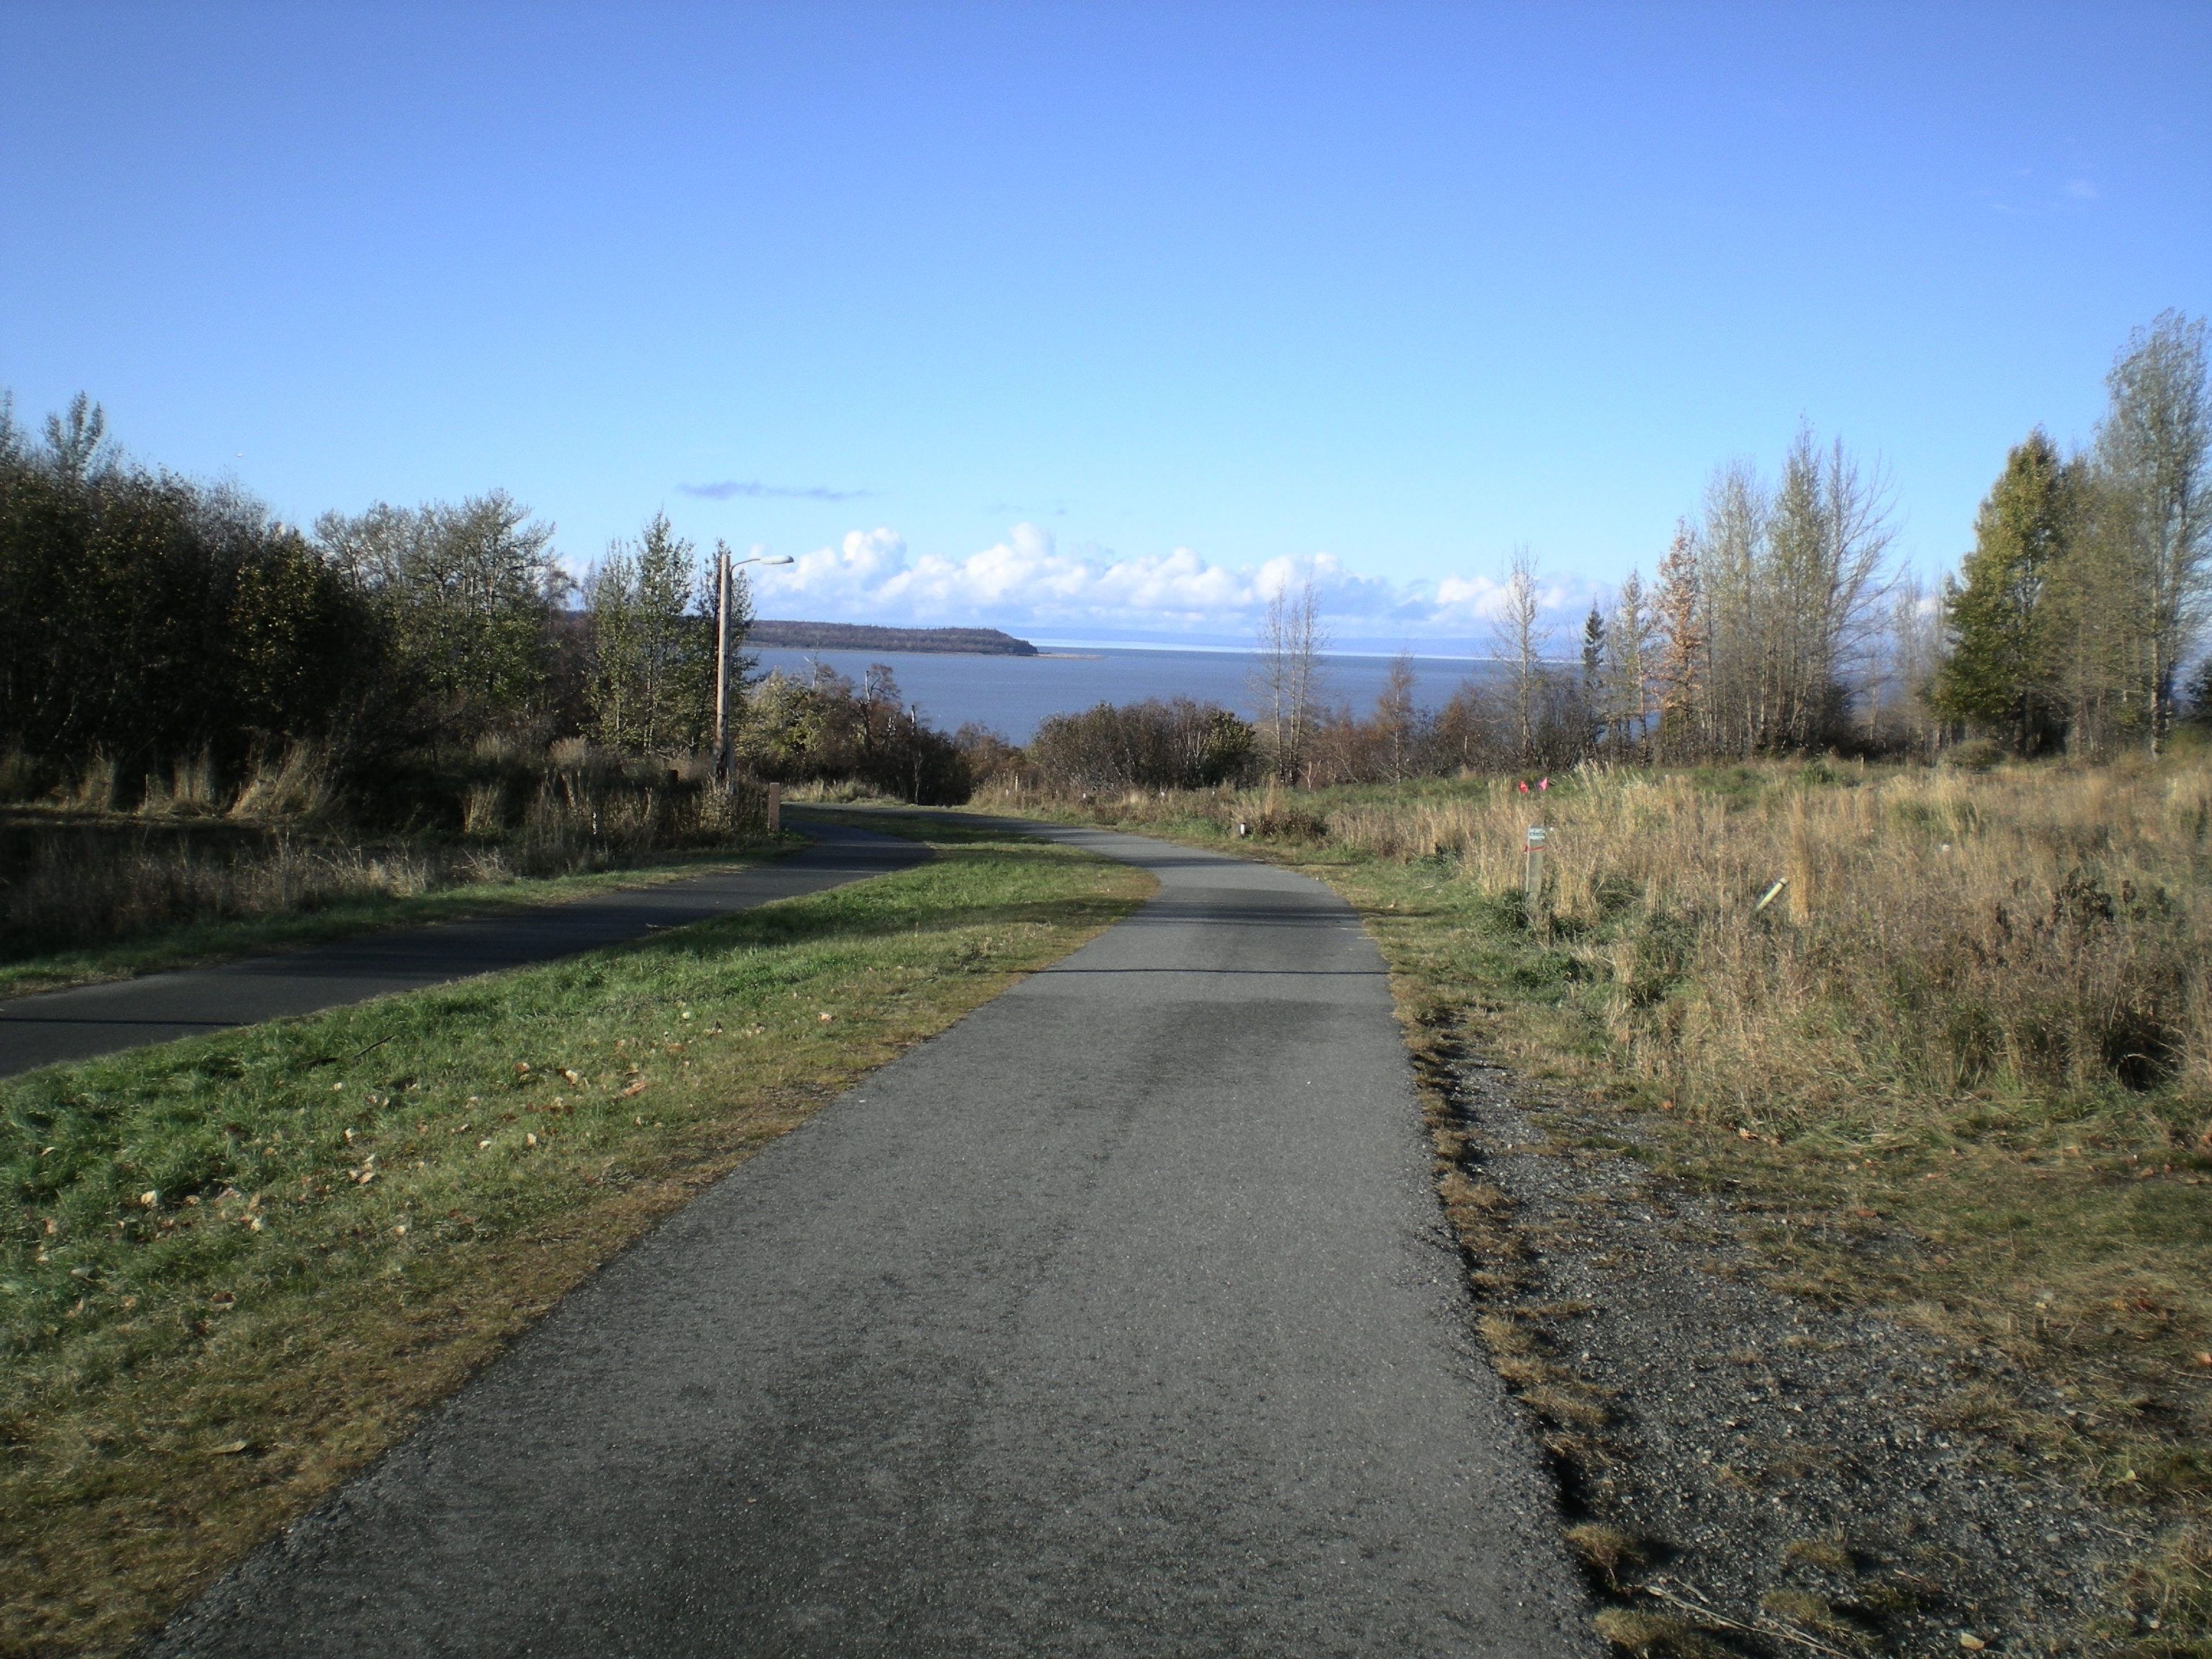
{"points": [[2001, 666], [467, 593], [2154, 462], [652, 672], [145, 618]]}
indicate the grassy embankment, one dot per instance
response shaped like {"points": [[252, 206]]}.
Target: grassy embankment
{"points": [[238, 1267], [1974, 1028]]}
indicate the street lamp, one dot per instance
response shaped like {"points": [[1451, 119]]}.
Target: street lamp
{"points": [[723, 566]]}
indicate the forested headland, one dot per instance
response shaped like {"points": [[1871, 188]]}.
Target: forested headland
{"points": [[858, 636]]}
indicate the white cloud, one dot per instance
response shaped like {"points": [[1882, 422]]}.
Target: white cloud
{"points": [[1028, 580]]}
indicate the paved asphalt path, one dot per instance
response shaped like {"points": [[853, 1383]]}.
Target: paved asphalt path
{"points": [[99, 1020], [1117, 1320]]}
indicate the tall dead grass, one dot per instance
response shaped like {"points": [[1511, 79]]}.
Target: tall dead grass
{"points": [[2020, 932], [77, 873], [2024, 933]]}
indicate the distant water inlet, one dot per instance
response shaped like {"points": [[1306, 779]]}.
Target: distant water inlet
{"points": [[1013, 695]]}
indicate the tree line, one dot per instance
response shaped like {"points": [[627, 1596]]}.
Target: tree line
{"points": [[1775, 623], [1778, 622], [145, 618]]}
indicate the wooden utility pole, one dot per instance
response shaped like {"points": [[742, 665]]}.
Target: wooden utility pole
{"points": [[726, 569], [721, 660]]}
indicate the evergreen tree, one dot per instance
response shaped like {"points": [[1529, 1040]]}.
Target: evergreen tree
{"points": [[2000, 670], [652, 684], [1594, 667], [1631, 639]]}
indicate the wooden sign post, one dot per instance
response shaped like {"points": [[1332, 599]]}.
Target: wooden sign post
{"points": [[1532, 877]]}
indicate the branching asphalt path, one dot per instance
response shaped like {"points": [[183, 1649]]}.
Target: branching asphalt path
{"points": [[1117, 1320], [100, 1019]]}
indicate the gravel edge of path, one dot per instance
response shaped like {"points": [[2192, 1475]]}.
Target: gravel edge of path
{"points": [[1743, 1472]]}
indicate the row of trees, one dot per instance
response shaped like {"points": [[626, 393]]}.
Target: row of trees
{"points": [[145, 618], [1776, 621], [142, 616], [475, 617], [1763, 629]]}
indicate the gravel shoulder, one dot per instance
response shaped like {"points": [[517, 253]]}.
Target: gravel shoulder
{"points": [[1746, 1471]]}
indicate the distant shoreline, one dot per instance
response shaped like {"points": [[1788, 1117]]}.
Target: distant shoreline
{"points": [[859, 637]]}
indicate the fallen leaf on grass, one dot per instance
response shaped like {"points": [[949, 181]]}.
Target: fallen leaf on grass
{"points": [[635, 1088], [230, 1450]]}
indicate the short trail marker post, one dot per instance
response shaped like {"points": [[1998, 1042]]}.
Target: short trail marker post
{"points": [[1532, 876]]}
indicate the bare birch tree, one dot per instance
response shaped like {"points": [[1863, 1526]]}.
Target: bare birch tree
{"points": [[1397, 721], [1291, 642], [1739, 648], [1682, 677], [1520, 638]]}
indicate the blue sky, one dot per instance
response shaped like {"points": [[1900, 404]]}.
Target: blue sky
{"points": [[1087, 319]]}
